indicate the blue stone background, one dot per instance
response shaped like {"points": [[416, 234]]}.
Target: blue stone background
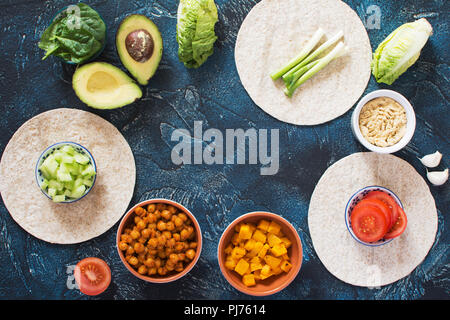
{"points": [[216, 194]]}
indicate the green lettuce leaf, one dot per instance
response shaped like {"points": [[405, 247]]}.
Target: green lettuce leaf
{"points": [[195, 31], [400, 50]]}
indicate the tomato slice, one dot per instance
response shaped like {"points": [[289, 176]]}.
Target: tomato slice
{"points": [[92, 275], [382, 206], [392, 204], [368, 222], [399, 225]]}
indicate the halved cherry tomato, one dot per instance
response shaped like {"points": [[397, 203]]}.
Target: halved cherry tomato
{"points": [[92, 275], [399, 225], [383, 196], [368, 222], [382, 206]]}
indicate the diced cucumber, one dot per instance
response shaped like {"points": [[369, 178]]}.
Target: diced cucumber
{"points": [[78, 192], [81, 159], [67, 158], [78, 182], [51, 192], [55, 185], [49, 167], [44, 184], [68, 149], [88, 182], [88, 171], [63, 176], [59, 198]]}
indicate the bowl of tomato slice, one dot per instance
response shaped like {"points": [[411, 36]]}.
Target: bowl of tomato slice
{"points": [[374, 216]]}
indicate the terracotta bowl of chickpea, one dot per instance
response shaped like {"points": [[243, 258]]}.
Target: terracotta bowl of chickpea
{"points": [[260, 253], [159, 240]]}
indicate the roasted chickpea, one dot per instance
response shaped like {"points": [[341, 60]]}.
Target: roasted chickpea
{"points": [[176, 236], [138, 247], [184, 234], [146, 233], [152, 271], [151, 218], [133, 260], [178, 222], [167, 234], [170, 226], [152, 243], [141, 225], [172, 209], [135, 234], [126, 238], [161, 225], [179, 267], [162, 271], [160, 206], [142, 269], [193, 245], [183, 217], [123, 245], [140, 211], [130, 250], [190, 254], [151, 207], [166, 214]]}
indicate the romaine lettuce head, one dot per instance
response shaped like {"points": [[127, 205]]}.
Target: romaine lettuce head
{"points": [[400, 50], [195, 31]]}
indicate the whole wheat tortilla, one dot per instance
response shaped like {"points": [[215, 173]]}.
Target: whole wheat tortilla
{"points": [[275, 31], [92, 215], [343, 256]]}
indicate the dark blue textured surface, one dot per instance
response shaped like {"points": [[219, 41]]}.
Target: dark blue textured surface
{"points": [[216, 194]]}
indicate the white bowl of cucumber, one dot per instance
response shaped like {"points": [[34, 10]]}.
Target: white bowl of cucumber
{"points": [[66, 172]]}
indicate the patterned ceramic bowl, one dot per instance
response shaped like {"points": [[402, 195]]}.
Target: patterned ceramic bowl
{"points": [[50, 150], [360, 194]]}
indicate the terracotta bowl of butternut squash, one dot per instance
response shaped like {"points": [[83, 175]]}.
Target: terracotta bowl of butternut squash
{"points": [[260, 253]]}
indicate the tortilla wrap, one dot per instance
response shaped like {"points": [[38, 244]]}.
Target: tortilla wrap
{"points": [[343, 256], [275, 31], [88, 217]]}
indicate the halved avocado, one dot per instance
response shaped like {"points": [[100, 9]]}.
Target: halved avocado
{"points": [[103, 86], [139, 45]]}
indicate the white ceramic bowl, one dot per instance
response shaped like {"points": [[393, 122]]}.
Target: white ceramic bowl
{"points": [[51, 149], [354, 200], [410, 118]]}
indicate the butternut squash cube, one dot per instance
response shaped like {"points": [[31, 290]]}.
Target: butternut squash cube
{"points": [[228, 249], [274, 228], [237, 227], [249, 280], [276, 271], [255, 264], [272, 261], [262, 253], [245, 232], [230, 264], [235, 239], [257, 274], [278, 250], [256, 248], [286, 241], [250, 244], [242, 267], [273, 240], [258, 235], [238, 252], [285, 266], [266, 272], [263, 225]]}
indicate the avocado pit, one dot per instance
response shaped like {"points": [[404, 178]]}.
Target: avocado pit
{"points": [[140, 45]]}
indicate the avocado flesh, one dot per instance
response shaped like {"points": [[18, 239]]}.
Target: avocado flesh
{"points": [[103, 86], [142, 71]]}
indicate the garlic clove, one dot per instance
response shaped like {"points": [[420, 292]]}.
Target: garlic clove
{"points": [[432, 160], [437, 178]]}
